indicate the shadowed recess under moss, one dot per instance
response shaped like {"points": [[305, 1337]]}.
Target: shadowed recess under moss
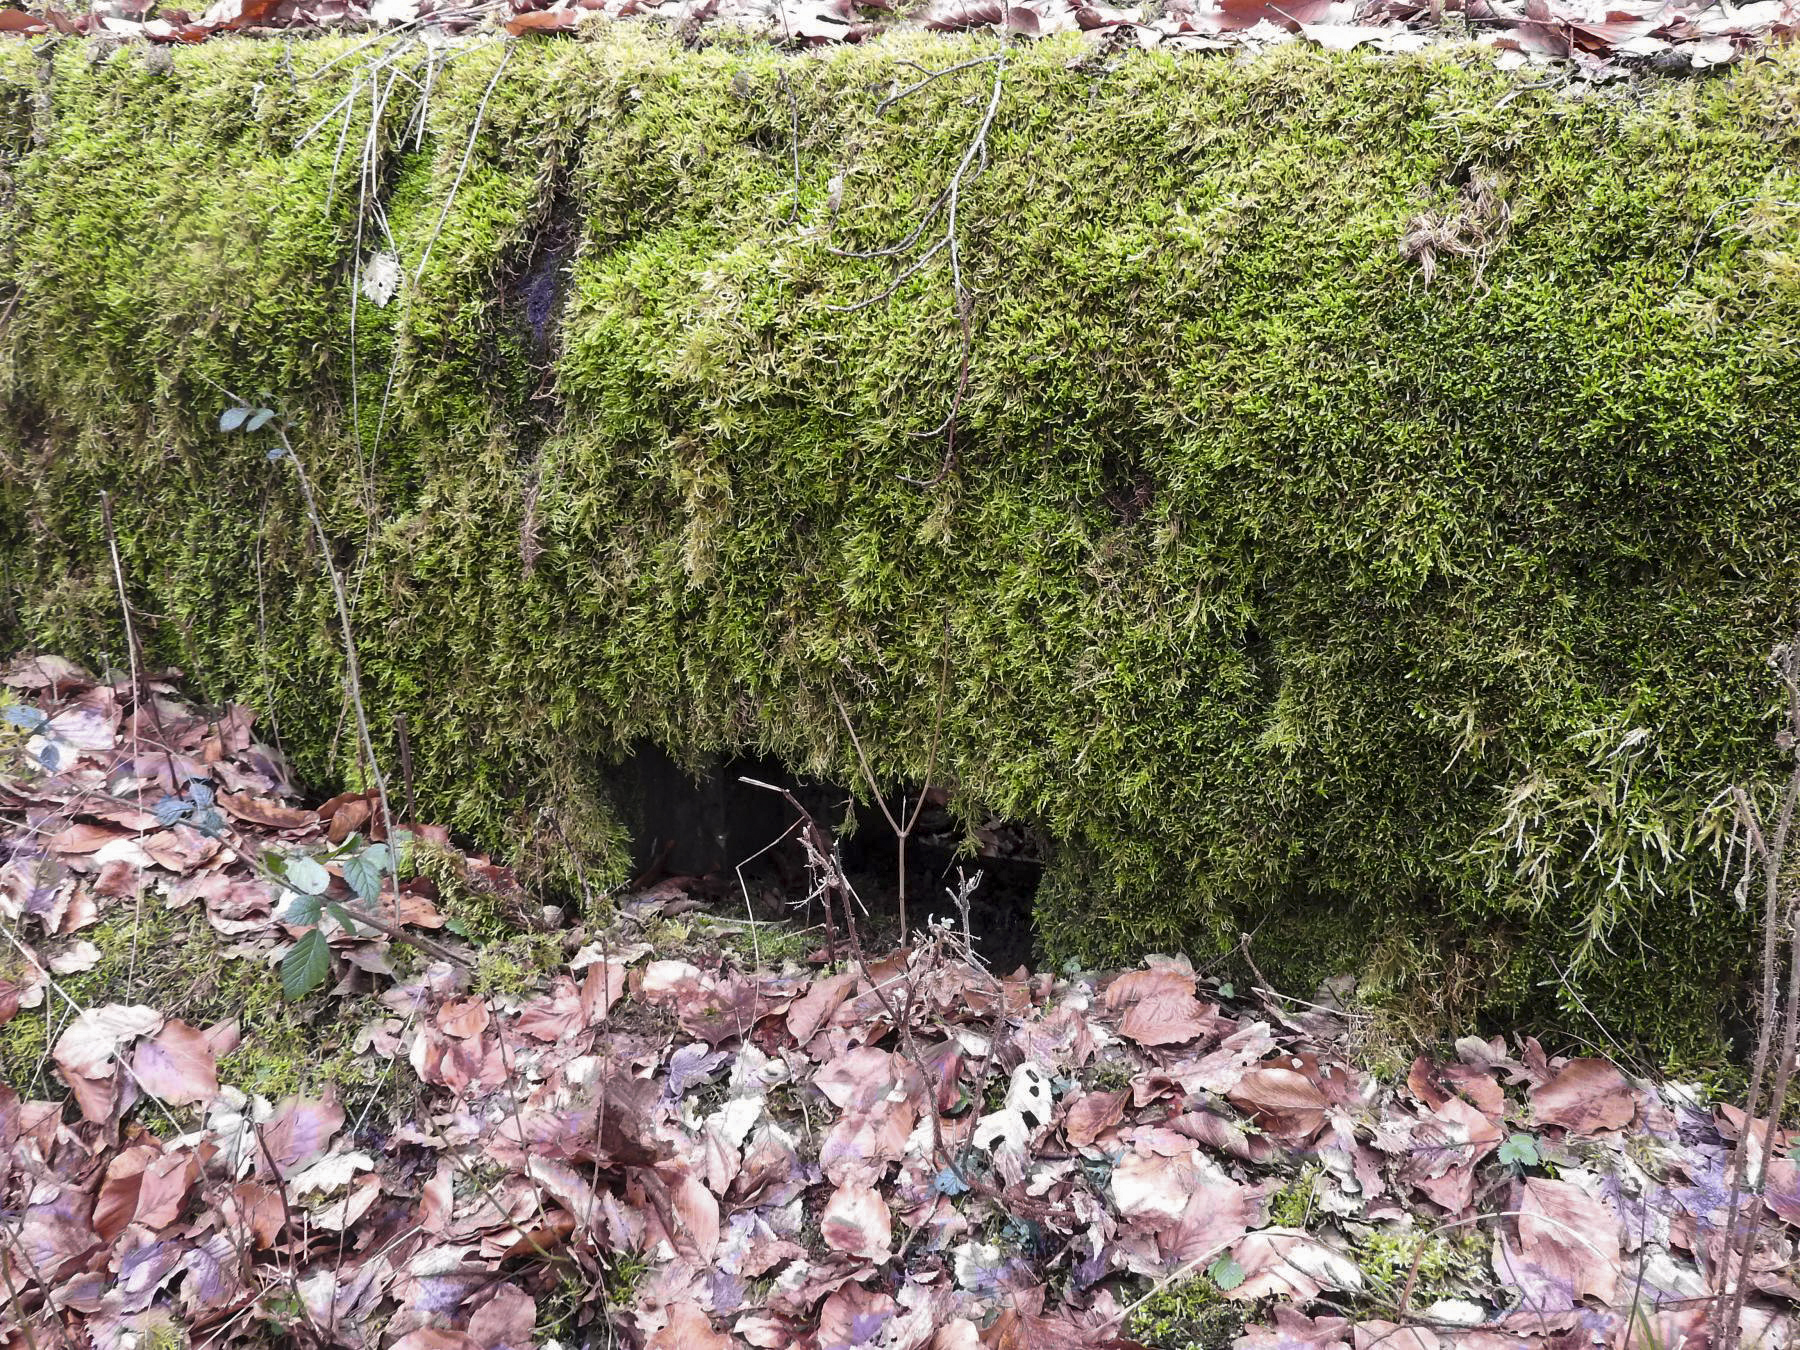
{"points": [[1375, 500]]}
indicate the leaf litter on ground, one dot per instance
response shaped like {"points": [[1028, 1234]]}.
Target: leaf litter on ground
{"points": [[903, 1150], [1594, 39]]}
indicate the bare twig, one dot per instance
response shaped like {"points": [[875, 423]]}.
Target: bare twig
{"points": [[352, 668], [948, 204], [137, 699], [1767, 853], [463, 168], [406, 765], [287, 1222], [141, 696], [902, 833], [794, 135], [931, 76]]}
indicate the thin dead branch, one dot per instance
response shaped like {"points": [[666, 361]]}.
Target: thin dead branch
{"points": [[902, 833], [1764, 863], [947, 207]]}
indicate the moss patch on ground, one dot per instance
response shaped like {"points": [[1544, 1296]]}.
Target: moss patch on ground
{"points": [[171, 960], [1373, 505], [1190, 1314]]}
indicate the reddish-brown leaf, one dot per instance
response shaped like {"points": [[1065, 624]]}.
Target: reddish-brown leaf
{"points": [[118, 1197], [1248, 13], [1091, 1114], [163, 1188], [269, 814], [544, 21], [1283, 1101], [814, 1008], [299, 1133], [856, 1221], [688, 1328], [1585, 1096], [178, 1064], [506, 1319]]}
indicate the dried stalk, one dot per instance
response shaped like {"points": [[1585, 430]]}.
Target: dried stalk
{"points": [[902, 833], [948, 204], [1769, 853]]}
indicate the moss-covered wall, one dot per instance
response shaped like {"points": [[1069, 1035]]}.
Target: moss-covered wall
{"points": [[1414, 623]]}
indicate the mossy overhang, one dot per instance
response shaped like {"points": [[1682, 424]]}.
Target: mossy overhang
{"points": [[1372, 510]]}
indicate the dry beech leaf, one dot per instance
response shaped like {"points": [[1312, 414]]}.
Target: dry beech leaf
{"points": [[177, 1064], [688, 1329], [1585, 1096], [856, 1221]]}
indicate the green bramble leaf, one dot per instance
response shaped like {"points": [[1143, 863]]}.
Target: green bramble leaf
{"points": [[302, 909], [306, 876], [363, 875], [1226, 1273], [1520, 1150], [306, 966], [233, 418]]}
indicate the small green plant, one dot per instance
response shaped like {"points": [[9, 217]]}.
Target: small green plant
{"points": [[245, 419], [362, 865], [559, 1310], [19, 722], [619, 1280], [1445, 1263], [1520, 1151], [1225, 1273], [304, 876], [515, 966], [283, 1311], [162, 1336]]}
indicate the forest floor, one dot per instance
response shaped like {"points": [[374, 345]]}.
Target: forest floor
{"points": [[285, 1074]]}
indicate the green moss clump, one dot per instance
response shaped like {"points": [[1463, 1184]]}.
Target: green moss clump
{"points": [[517, 966], [1416, 611], [1292, 1205], [1188, 1315], [1449, 1264], [469, 911]]}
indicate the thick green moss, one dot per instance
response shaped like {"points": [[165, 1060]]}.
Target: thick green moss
{"points": [[1278, 580]]}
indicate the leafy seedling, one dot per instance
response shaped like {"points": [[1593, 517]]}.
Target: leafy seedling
{"points": [[1520, 1151], [245, 419], [306, 965], [193, 805], [1225, 1273]]}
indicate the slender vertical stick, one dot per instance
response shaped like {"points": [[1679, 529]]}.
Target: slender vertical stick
{"points": [[902, 833], [352, 668]]}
